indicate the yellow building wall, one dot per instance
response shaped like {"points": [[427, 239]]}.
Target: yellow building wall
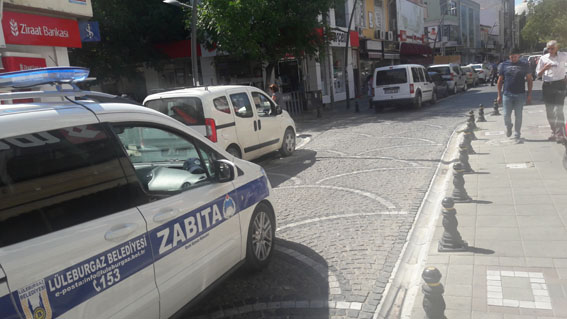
{"points": [[367, 32]]}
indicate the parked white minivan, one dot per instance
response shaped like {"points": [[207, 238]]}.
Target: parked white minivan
{"points": [[402, 84], [242, 120]]}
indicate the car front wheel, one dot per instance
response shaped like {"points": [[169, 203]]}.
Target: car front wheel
{"points": [[288, 144], [261, 236]]}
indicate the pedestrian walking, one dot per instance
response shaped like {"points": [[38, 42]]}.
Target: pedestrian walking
{"points": [[276, 95], [512, 76], [551, 67]]}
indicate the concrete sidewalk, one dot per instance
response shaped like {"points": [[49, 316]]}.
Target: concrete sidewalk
{"points": [[516, 225]]}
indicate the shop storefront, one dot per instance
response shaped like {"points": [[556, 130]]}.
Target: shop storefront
{"points": [[37, 34]]}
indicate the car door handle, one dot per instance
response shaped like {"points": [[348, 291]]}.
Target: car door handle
{"points": [[259, 125], [255, 126], [165, 215], [121, 231]]}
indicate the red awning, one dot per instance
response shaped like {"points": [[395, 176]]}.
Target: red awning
{"points": [[177, 49], [414, 49]]}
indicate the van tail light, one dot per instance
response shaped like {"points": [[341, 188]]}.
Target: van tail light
{"points": [[411, 88], [452, 79], [211, 130]]}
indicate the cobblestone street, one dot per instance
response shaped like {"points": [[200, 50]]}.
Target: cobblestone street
{"points": [[346, 201]]}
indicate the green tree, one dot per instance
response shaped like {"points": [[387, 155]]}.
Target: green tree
{"points": [[546, 21], [263, 30], [129, 30]]}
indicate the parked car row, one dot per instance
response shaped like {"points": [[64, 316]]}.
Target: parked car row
{"points": [[413, 84]]}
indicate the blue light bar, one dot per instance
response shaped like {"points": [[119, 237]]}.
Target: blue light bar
{"points": [[35, 77]]}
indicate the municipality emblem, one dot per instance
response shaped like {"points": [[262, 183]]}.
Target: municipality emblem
{"points": [[228, 207], [35, 302]]}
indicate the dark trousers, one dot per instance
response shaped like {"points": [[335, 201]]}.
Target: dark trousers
{"points": [[553, 97]]}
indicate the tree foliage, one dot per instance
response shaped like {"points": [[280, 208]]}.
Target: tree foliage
{"points": [[129, 30], [546, 20], [263, 30]]}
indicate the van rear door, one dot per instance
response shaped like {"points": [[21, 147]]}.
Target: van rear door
{"points": [[391, 84], [186, 109]]}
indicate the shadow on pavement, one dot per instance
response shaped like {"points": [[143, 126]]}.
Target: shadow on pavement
{"points": [[480, 250], [281, 169], [294, 285]]}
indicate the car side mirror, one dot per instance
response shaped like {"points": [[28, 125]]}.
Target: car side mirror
{"points": [[225, 170], [279, 110]]}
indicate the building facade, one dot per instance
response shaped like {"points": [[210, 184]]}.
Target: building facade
{"points": [[37, 33]]}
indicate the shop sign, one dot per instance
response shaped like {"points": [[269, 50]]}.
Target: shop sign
{"points": [[338, 38], [89, 31], [18, 63], [30, 29]]}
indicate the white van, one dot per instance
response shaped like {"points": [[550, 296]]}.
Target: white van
{"points": [[242, 120], [402, 84]]}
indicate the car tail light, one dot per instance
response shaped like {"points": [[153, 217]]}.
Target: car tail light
{"points": [[481, 71], [411, 88], [211, 130], [451, 76]]}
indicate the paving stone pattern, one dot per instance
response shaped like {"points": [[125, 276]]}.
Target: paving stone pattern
{"points": [[345, 203]]}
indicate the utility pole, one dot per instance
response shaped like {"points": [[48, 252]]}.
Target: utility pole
{"points": [[346, 55]]}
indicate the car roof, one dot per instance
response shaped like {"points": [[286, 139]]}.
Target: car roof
{"points": [[198, 91], [398, 66], [441, 65]]}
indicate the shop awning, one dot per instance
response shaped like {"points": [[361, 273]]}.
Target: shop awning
{"points": [[414, 49]]}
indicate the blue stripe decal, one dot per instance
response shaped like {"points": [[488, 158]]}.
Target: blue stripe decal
{"points": [[58, 293], [193, 226]]}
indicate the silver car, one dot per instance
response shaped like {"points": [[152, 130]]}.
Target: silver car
{"points": [[452, 73]]}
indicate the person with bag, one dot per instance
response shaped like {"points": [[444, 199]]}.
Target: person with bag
{"points": [[551, 67]]}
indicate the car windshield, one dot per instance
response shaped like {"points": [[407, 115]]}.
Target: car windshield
{"points": [[443, 70], [187, 110], [476, 67], [394, 76]]}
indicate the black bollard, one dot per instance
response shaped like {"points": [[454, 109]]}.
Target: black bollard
{"points": [[459, 192], [495, 108], [356, 109], [470, 129], [467, 137], [451, 241], [481, 114], [464, 157], [472, 119], [433, 302]]}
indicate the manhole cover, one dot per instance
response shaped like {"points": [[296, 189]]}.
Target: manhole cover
{"points": [[494, 133], [520, 165]]}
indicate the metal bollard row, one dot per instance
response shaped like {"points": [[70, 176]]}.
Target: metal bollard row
{"points": [[481, 113]]}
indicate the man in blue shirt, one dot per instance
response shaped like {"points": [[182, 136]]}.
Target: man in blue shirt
{"points": [[512, 77]]}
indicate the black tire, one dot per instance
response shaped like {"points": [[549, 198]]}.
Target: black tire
{"points": [[434, 98], [261, 237], [288, 143], [234, 151], [418, 102]]}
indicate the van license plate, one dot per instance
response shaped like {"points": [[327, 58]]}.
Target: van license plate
{"points": [[391, 90]]}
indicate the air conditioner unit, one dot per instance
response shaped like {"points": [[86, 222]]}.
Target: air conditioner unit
{"points": [[390, 36], [378, 35]]}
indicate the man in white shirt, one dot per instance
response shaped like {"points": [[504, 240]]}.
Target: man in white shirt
{"points": [[551, 67]]}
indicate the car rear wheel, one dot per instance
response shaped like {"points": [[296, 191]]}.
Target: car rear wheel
{"points": [[234, 151], [417, 103], [288, 144], [434, 97], [261, 236]]}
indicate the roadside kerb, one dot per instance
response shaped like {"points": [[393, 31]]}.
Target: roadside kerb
{"points": [[404, 283]]}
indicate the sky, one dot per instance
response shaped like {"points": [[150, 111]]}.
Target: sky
{"points": [[518, 2]]}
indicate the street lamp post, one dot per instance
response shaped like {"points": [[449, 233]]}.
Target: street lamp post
{"points": [[194, 61]]}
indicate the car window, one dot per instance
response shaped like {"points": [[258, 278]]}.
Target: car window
{"points": [[476, 67], [241, 104], [393, 76], [422, 76], [165, 162], [221, 104], [443, 70], [264, 105], [415, 74], [457, 70], [56, 179], [187, 110]]}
